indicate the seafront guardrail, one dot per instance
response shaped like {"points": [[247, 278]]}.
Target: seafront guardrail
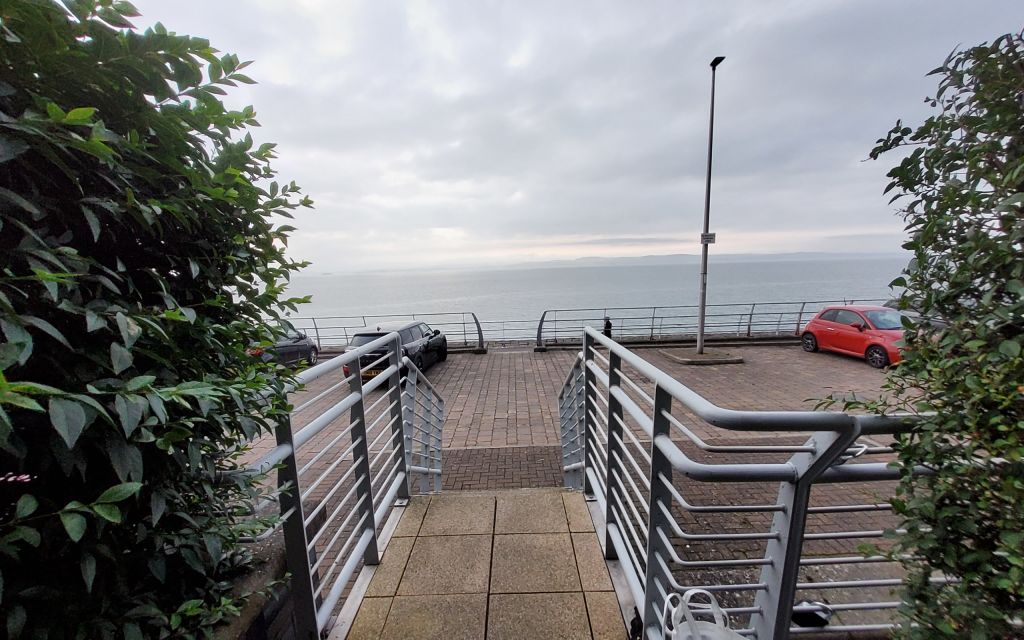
{"points": [[462, 328], [465, 330], [765, 509]]}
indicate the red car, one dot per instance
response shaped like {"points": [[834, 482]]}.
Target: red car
{"points": [[863, 331]]}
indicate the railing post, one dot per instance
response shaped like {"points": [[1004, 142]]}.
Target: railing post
{"points": [[589, 407], [361, 459], [540, 332], [657, 520], [775, 602], [397, 429], [481, 346], [750, 319], [436, 431], [408, 419], [654, 311], [800, 319], [295, 542], [316, 330], [613, 468]]}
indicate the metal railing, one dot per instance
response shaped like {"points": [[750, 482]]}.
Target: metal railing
{"points": [[748, 319], [363, 446], [763, 508], [462, 328]]}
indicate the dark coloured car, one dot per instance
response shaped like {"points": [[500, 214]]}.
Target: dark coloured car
{"points": [[863, 331], [423, 345], [293, 347]]}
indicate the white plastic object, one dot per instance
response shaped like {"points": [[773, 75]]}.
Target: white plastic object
{"points": [[678, 621]]}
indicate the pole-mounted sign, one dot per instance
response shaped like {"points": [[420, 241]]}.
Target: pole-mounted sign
{"points": [[707, 238]]}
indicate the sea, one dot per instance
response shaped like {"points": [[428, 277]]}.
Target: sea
{"points": [[523, 293]]}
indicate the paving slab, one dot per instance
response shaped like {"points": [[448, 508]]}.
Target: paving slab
{"points": [[389, 572], [576, 512], [550, 616], [447, 617], [533, 563], [530, 512], [590, 562], [606, 621], [412, 517], [458, 515], [369, 622], [446, 565]]}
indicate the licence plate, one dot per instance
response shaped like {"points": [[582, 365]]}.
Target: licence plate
{"points": [[372, 373]]}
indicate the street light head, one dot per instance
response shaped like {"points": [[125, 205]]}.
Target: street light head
{"points": [[717, 61]]}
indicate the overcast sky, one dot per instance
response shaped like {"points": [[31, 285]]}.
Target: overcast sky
{"points": [[478, 132]]}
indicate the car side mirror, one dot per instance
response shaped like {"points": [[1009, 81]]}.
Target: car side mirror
{"points": [[857, 325], [437, 332]]}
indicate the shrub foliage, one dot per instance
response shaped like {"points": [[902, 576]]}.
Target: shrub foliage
{"points": [[140, 257], [961, 189]]}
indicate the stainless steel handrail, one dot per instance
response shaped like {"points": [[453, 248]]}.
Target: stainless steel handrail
{"points": [[392, 448], [626, 443]]}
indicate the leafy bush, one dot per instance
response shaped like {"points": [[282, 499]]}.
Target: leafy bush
{"points": [[139, 259], [962, 184]]}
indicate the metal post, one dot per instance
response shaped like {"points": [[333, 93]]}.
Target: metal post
{"points": [[654, 310], [707, 216], [409, 418], [613, 468], [316, 330], [395, 389], [800, 318], [589, 406], [540, 332], [750, 318], [775, 602], [436, 432], [361, 459], [657, 520], [481, 346], [296, 554]]}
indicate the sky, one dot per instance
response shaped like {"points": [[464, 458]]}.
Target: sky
{"points": [[484, 133]]}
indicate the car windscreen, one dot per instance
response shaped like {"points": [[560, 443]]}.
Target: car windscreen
{"points": [[885, 320], [364, 338]]}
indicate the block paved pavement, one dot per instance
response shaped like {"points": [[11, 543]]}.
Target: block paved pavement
{"points": [[492, 565]]}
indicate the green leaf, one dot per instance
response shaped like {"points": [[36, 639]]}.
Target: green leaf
{"points": [[16, 621], [129, 410], [1009, 348], [79, 115], [88, 566], [56, 113], [130, 329], [108, 512], [74, 524], [132, 631], [68, 418], [47, 328], [120, 357], [93, 221], [119, 492], [93, 321], [139, 382], [27, 505]]}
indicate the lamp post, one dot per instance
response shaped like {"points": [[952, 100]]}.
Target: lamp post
{"points": [[706, 238]]}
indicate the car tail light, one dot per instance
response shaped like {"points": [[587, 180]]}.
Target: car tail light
{"points": [[345, 369], [255, 351]]}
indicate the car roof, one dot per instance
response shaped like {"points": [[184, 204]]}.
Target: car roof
{"points": [[859, 307], [387, 327]]}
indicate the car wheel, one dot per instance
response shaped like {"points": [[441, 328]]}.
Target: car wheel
{"points": [[444, 350], [313, 356], [418, 361], [809, 342], [876, 357]]}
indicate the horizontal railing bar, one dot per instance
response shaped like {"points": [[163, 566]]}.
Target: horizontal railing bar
{"points": [[317, 424], [640, 521], [636, 467], [639, 415], [326, 579], [754, 508], [327, 447], [640, 448], [632, 579], [334, 465], [334, 387], [733, 448], [326, 610], [701, 564], [334, 489], [355, 509], [850, 508], [389, 498], [758, 586], [781, 472], [679, 533], [637, 493]]}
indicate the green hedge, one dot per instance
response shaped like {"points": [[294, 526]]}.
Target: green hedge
{"points": [[960, 184], [141, 251]]}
